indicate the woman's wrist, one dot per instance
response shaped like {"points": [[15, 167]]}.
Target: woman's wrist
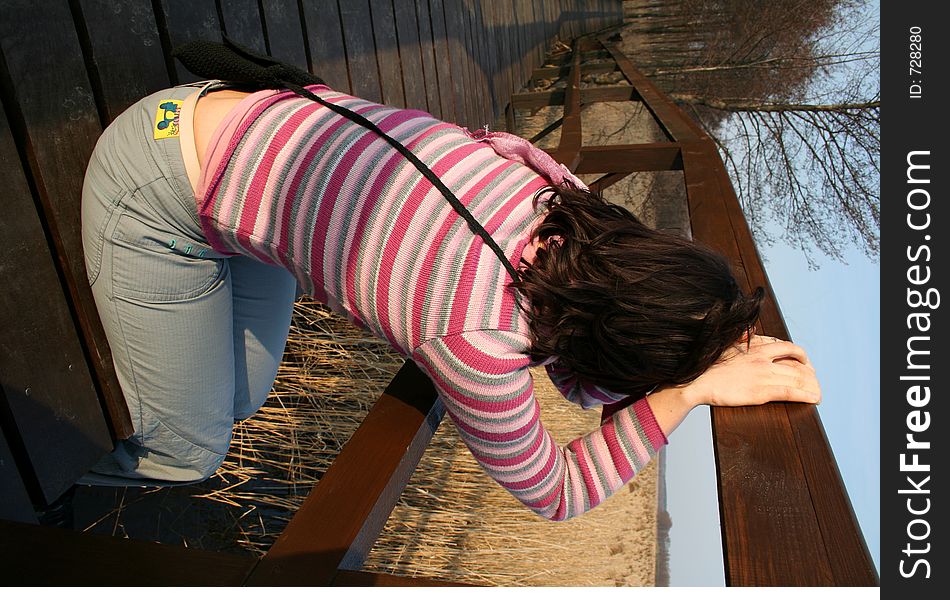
{"points": [[670, 406]]}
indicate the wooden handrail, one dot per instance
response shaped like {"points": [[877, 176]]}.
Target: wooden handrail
{"points": [[341, 518]]}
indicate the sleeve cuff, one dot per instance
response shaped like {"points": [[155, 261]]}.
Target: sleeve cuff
{"points": [[647, 420]]}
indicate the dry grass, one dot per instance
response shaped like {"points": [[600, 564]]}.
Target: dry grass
{"points": [[453, 522]]}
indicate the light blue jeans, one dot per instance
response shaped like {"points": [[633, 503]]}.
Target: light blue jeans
{"points": [[196, 337]]}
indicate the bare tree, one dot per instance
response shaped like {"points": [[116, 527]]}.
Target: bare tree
{"points": [[790, 91]]}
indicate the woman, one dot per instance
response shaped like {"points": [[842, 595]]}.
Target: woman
{"points": [[204, 208]]}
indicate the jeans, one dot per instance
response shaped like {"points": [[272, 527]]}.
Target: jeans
{"points": [[196, 336]]}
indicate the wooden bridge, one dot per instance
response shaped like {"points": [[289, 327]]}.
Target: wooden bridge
{"points": [[68, 67]]}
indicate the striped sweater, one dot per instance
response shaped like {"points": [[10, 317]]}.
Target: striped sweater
{"points": [[364, 232]]}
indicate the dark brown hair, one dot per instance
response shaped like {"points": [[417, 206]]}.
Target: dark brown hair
{"points": [[625, 306]]}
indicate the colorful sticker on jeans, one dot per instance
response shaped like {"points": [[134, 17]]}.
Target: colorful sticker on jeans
{"points": [[166, 119]]}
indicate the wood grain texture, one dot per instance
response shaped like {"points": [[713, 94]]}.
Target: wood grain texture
{"points": [[183, 21], [125, 58], [360, 50], [455, 39], [569, 147], [285, 33], [410, 53], [851, 561], [478, 84], [443, 63], [427, 53], [488, 58], [55, 122], [387, 53], [241, 21], [49, 403], [777, 474], [325, 39], [500, 41], [769, 527]]}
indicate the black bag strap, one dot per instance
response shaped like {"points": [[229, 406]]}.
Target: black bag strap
{"points": [[231, 62]]}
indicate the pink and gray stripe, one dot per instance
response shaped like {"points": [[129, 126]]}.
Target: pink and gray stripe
{"points": [[366, 233]]}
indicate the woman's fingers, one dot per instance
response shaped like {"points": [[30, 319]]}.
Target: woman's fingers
{"points": [[788, 393], [797, 376], [765, 370], [776, 349]]}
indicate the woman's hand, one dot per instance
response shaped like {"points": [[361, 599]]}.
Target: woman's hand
{"points": [[766, 370]]}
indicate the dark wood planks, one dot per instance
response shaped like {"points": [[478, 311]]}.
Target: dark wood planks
{"points": [[181, 21], [407, 24], [387, 53], [325, 38], [476, 80], [367, 579], [360, 49], [569, 148], [443, 63], [285, 33], [53, 116], [763, 499], [846, 557], [340, 520], [487, 60], [498, 40], [123, 52], [15, 504], [34, 555], [427, 53], [241, 22], [455, 40], [850, 560], [777, 474], [48, 402], [84, 61]]}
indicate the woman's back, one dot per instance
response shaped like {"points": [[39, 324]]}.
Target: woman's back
{"points": [[360, 227]]}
